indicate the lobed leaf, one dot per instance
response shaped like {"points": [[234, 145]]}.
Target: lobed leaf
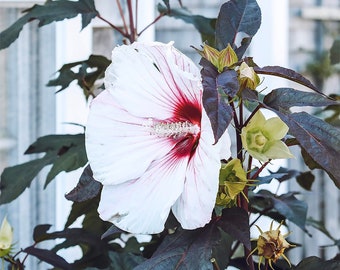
{"points": [[284, 98], [287, 205], [315, 263], [235, 222], [219, 112], [65, 152], [287, 74], [184, 250], [14, 180], [49, 257], [319, 139], [306, 180], [89, 71], [50, 12], [236, 18]]}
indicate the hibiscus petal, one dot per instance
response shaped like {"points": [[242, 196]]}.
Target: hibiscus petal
{"points": [[147, 85], [118, 145], [194, 207], [143, 205]]}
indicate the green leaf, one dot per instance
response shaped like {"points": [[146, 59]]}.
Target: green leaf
{"points": [[287, 74], [14, 180], [219, 112], [69, 151], [335, 52], [73, 158], [87, 187], [205, 26], [50, 12], [49, 257], [65, 152], [89, 71], [315, 263], [306, 180], [284, 98], [236, 18]]}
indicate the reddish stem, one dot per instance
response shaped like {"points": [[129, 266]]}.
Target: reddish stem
{"points": [[153, 22], [113, 26], [132, 36], [122, 16]]}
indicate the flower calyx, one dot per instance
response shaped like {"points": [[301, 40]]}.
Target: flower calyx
{"points": [[232, 181], [271, 245], [248, 78], [220, 59]]}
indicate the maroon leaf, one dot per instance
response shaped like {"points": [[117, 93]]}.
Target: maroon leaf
{"points": [[87, 187], [49, 257], [235, 222], [287, 74], [219, 112], [184, 250]]}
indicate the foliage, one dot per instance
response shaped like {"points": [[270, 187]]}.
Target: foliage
{"points": [[225, 98]]}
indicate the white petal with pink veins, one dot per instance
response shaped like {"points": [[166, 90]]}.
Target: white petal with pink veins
{"points": [[119, 146], [143, 205]]}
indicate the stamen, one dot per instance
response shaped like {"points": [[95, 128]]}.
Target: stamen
{"points": [[172, 129]]}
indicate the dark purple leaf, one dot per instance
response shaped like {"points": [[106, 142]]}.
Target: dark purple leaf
{"points": [[286, 205], [284, 98], [87, 187], [89, 71], [306, 180], [292, 208], [219, 112], [320, 140], [51, 11], [49, 257], [228, 82], [287, 74], [40, 232], [235, 222], [237, 17], [184, 250], [315, 263], [112, 231]]}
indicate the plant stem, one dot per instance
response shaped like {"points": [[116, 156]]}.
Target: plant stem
{"points": [[122, 16], [119, 30], [132, 36], [153, 22]]}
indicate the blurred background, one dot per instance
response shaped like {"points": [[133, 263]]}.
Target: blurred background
{"points": [[295, 33]]}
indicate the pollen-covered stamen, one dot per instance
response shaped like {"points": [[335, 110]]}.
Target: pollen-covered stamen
{"points": [[172, 129]]}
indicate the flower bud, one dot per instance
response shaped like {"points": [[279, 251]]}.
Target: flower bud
{"points": [[6, 238], [220, 59], [248, 77]]}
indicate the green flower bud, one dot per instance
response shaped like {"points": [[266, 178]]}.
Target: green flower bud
{"points": [[6, 238]]}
